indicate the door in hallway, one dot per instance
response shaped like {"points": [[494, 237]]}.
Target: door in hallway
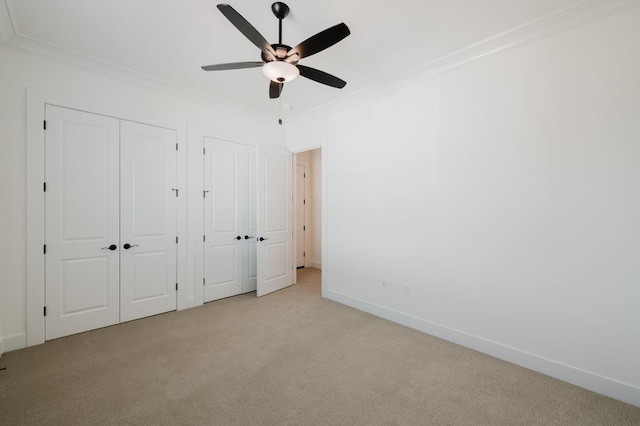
{"points": [[300, 214]]}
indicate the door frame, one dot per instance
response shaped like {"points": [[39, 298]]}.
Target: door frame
{"points": [[195, 262], [37, 99], [306, 212], [324, 209]]}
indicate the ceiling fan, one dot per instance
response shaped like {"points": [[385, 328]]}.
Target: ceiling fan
{"points": [[279, 61]]}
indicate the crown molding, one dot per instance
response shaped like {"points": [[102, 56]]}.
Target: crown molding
{"points": [[557, 22], [7, 30], [562, 20], [12, 38]]}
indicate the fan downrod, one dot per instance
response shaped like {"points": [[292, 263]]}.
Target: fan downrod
{"points": [[280, 10]]}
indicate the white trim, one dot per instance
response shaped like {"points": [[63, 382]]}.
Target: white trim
{"points": [[36, 101], [314, 264], [182, 216], [560, 20], [13, 343], [556, 22], [195, 218], [15, 39], [7, 29], [603, 385], [307, 212], [294, 217]]}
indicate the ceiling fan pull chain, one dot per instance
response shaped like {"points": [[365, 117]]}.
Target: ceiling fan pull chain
{"points": [[280, 111]]}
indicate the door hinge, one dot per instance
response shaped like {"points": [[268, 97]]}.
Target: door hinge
{"points": [[44, 125], [176, 286], [203, 281], [176, 240], [44, 186], [304, 175], [204, 194], [174, 189], [203, 151], [44, 249], [44, 311], [304, 228], [176, 146], [304, 254], [304, 201], [204, 238]]}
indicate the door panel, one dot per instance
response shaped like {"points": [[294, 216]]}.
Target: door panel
{"points": [[77, 297], [148, 220], [274, 220], [82, 209], [222, 206], [300, 215]]}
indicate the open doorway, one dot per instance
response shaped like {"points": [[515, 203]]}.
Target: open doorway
{"points": [[308, 212]]}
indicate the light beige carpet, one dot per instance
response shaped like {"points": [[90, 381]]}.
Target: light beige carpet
{"points": [[289, 358]]}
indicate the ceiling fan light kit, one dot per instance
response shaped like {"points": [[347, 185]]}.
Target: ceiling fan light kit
{"points": [[279, 61], [280, 71]]}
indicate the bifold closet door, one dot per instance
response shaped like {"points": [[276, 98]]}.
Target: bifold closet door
{"points": [[229, 222], [148, 231], [82, 222]]}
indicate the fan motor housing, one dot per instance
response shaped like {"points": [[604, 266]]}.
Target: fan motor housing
{"points": [[281, 52]]}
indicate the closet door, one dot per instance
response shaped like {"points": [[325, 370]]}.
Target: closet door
{"points": [[82, 233], [275, 234], [148, 230], [228, 238]]}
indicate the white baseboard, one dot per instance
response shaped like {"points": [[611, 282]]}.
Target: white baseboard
{"points": [[585, 379], [313, 264], [12, 343]]}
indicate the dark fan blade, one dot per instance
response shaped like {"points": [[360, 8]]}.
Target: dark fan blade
{"points": [[232, 66], [245, 28], [275, 89], [320, 41], [321, 77]]}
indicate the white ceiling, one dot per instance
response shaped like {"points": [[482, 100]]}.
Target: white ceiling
{"points": [[169, 39]]}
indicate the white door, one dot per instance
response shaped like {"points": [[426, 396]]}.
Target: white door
{"points": [[300, 215], [229, 216], [275, 232], [148, 227], [249, 250], [82, 230]]}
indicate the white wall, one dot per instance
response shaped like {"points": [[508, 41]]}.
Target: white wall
{"points": [[504, 194], [20, 71]]}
